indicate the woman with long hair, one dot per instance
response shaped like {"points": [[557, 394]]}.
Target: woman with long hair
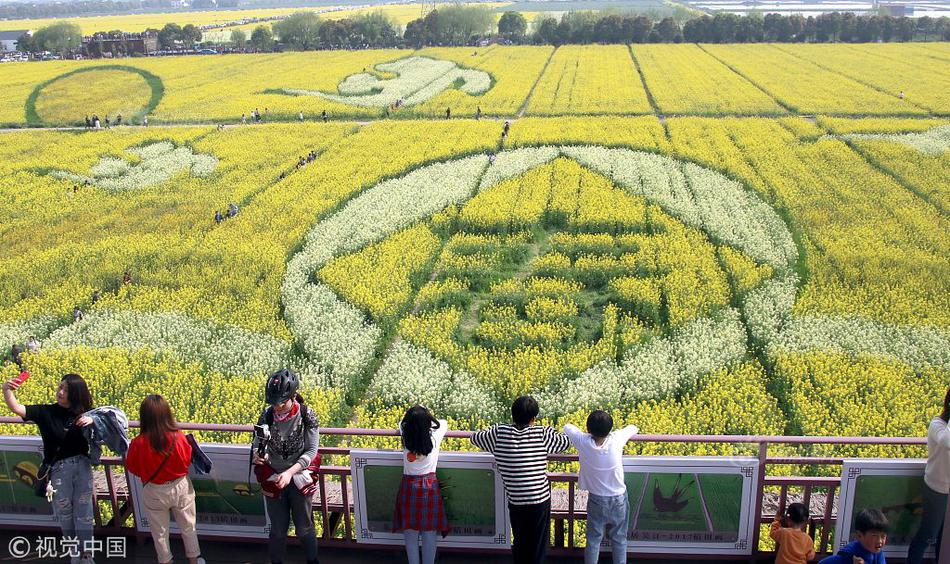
{"points": [[160, 456], [936, 486], [65, 455], [420, 511]]}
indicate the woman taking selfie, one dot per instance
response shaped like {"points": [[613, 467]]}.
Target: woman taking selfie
{"points": [[65, 454]]}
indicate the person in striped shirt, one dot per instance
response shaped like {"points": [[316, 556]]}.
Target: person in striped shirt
{"points": [[521, 451]]}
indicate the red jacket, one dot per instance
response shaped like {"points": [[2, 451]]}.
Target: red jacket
{"points": [[142, 460]]}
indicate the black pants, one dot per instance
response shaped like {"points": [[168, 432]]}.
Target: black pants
{"points": [[531, 528]]}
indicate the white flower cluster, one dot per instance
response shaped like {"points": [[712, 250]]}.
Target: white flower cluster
{"points": [[418, 79], [656, 369], [410, 375], [17, 332], [159, 162], [226, 349], [334, 334], [508, 164], [915, 345], [769, 307], [700, 197], [934, 141]]}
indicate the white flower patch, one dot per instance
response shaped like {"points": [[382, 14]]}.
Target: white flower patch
{"points": [[335, 334], [226, 349], [418, 79], [509, 164], [411, 375], [656, 369], [769, 307], [931, 142], [17, 332], [159, 162], [699, 197], [914, 345]]}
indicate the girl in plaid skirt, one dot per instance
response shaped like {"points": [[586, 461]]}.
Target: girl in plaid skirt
{"points": [[420, 511]]}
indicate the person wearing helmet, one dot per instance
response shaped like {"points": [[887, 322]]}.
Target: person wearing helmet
{"points": [[288, 455]]}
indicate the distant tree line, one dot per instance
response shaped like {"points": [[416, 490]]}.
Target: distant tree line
{"points": [[469, 25]]}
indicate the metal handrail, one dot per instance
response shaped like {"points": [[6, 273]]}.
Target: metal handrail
{"points": [[333, 514]]}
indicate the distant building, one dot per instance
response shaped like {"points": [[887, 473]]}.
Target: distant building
{"points": [[896, 10], [8, 39], [112, 44]]}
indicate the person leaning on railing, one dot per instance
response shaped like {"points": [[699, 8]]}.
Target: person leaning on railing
{"points": [[66, 461], [160, 456], [936, 486]]}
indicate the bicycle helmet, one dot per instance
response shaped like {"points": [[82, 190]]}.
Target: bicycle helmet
{"points": [[281, 386]]}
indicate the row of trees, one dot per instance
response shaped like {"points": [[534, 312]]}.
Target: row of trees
{"points": [[466, 25]]}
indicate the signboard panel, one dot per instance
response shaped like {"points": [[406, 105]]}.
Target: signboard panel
{"points": [[471, 487], [20, 459], [691, 505], [895, 487], [226, 504]]}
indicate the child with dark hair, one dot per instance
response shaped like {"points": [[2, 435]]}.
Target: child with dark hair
{"points": [[420, 510], [872, 528], [936, 486], [601, 474], [794, 545], [521, 451]]}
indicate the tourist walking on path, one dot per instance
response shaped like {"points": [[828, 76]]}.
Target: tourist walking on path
{"points": [[601, 474], [66, 470], [160, 457], [936, 486], [420, 510], [285, 462], [521, 451]]}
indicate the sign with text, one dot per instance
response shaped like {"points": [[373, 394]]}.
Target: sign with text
{"points": [[691, 505], [20, 459], [895, 487], [471, 488], [226, 504]]}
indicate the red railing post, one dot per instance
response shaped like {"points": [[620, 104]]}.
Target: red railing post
{"points": [[760, 489]]}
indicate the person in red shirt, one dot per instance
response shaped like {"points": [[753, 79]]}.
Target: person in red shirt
{"points": [[160, 456]]}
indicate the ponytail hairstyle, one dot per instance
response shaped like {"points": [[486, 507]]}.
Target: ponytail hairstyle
{"points": [[157, 421], [946, 407], [77, 394], [417, 426]]}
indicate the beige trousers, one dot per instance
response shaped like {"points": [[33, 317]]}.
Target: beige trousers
{"points": [[176, 497]]}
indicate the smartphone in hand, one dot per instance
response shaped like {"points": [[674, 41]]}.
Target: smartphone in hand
{"points": [[21, 377]]}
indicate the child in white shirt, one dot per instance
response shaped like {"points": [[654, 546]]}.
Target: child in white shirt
{"points": [[420, 510], [601, 475]]}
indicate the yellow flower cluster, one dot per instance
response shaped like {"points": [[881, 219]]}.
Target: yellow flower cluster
{"points": [[872, 247], [588, 79], [380, 277], [685, 79], [814, 88]]}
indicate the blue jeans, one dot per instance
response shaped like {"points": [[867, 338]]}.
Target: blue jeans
{"points": [[603, 512], [412, 546], [931, 526], [72, 502]]}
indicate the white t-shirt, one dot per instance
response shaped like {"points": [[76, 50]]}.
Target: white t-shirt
{"points": [[419, 465], [601, 466], [937, 473]]}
